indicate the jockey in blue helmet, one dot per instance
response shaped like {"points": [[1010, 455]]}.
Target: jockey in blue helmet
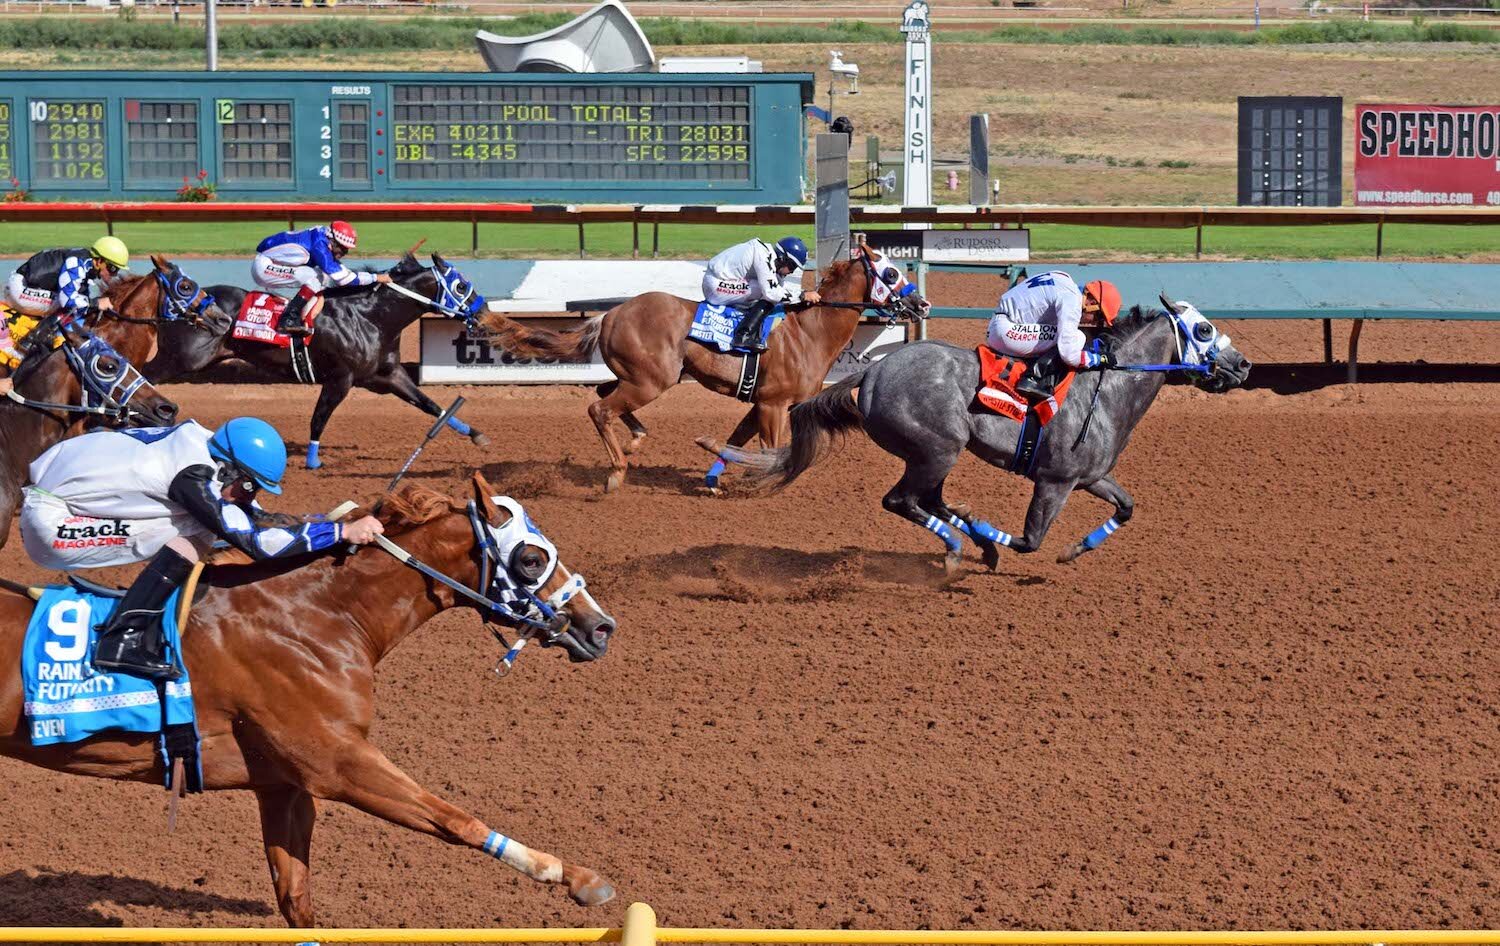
{"points": [[755, 277], [164, 494]]}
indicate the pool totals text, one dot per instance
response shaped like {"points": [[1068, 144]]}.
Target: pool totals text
{"points": [[631, 133]]}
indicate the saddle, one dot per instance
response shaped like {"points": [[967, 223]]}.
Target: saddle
{"points": [[256, 322], [998, 376]]}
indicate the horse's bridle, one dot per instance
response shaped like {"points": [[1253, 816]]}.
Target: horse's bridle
{"points": [[173, 303], [502, 592], [455, 305], [104, 394]]}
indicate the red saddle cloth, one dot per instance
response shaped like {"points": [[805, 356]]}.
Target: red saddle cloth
{"points": [[257, 320], [998, 375]]}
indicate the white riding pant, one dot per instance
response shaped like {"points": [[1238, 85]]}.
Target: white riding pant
{"points": [[28, 299], [271, 275], [55, 538], [731, 292], [1020, 339]]}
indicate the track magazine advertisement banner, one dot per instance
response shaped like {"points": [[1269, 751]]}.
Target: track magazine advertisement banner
{"points": [[1427, 156], [451, 357]]}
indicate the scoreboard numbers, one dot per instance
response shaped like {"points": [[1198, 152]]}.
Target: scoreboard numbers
{"points": [[7, 163], [69, 145], [494, 132]]}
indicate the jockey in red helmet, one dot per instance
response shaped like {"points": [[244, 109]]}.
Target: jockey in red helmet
{"points": [[308, 261], [1039, 319]]}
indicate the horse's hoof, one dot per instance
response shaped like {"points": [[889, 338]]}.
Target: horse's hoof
{"points": [[713, 491], [1071, 554], [991, 555], [313, 463], [478, 439], [953, 563], [615, 481], [588, 889], [633, 446]]}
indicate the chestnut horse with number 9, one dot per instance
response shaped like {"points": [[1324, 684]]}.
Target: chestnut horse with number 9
{"points": [[283, 671]]}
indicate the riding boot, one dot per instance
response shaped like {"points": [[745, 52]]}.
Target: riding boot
{"points": [[747, 334], [291, 321], [134, 640], [1041, 377]]}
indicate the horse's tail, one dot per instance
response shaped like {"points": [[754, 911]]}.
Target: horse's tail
{"points": [[518, 339], [817, 424]]}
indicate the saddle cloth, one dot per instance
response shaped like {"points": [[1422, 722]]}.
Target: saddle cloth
{"points": [[66, 700], [998, 376], [714, 325], [15, 326], [257, 319]]}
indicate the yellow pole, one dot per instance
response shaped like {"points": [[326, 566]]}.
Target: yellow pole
{"points": [[640, 926], [1086, 937]]}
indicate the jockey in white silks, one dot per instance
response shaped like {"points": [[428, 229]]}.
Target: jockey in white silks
{"points": [[1039, 320], [162, 495], [755, 276]]}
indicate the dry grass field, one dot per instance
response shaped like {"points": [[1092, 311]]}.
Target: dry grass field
{"points": [[1069, 123]]}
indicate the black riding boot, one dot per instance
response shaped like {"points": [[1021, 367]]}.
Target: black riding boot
{"points": [[747, 336], [1041, 378], [291, 322], [134, 640]]}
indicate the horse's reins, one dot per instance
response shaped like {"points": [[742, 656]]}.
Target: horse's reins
{"points": [[1204, 368], [110, 405], [450, 311]]}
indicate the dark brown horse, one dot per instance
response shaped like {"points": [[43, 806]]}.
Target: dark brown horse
{"points": [[27, 431], [645, 343], [283, 674]]}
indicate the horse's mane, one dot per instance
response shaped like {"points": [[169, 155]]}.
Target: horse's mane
{"points": [[406, 261], [413, 506], [1129, 324]]}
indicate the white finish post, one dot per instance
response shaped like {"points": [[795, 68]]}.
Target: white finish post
{"points": [[211, 34], [917, 25]]}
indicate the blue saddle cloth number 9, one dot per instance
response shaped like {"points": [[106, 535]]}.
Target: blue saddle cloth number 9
{"points": [[66, 700]]}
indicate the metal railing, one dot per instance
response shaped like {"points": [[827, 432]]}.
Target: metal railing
{"points": [[874, 215], [640, 929]]}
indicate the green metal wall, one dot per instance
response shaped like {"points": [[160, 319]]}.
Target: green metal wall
{"points": [[93, 162]]}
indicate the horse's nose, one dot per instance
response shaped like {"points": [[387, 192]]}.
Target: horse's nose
{"points": [[166, 411], [1244, 363]]}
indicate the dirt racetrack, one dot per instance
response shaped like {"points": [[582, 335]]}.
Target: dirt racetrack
{"points": [[1270, 701]]}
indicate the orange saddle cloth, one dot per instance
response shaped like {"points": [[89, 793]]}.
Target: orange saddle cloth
{"points": [[998, 376]]}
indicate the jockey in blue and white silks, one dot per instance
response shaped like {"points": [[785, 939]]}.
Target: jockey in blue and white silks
{"points": [[58, 281], [163, 494], [756, 276], [307, 262]]}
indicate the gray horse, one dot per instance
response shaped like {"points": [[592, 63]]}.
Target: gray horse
{"points": [[918, 404]]}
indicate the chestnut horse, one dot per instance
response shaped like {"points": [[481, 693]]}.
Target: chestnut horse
{"points": [[645, 343], [26, 432], [282, 660]]}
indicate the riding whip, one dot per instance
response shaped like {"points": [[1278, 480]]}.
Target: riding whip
{"points": [[437, 428]]}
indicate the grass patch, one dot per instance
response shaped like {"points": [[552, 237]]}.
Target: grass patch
{"points": [[457, 33], [548, 241]]}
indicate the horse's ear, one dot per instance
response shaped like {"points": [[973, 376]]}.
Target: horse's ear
{"points": [[160, 262], [487, 508], [438, 260], [1170, 305]]}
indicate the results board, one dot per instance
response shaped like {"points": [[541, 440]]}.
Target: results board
{"points": [[640, 138]]}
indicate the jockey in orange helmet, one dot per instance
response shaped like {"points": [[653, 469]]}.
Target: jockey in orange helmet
{"points": [[308, 261], [1039, 319]]}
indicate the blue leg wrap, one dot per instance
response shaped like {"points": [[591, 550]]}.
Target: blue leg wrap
{"points": [[940, 529], [495, 845], [982, 531], [711, 479], [312, 456], [1096, 538], [459, 426]]}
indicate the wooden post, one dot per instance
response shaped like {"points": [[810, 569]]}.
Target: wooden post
{"points": [[1328, 341], [635, 236], [1359, 324], [1198, 248], [1379, 236], [474, 235], [581, 251], [655, 237]]}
